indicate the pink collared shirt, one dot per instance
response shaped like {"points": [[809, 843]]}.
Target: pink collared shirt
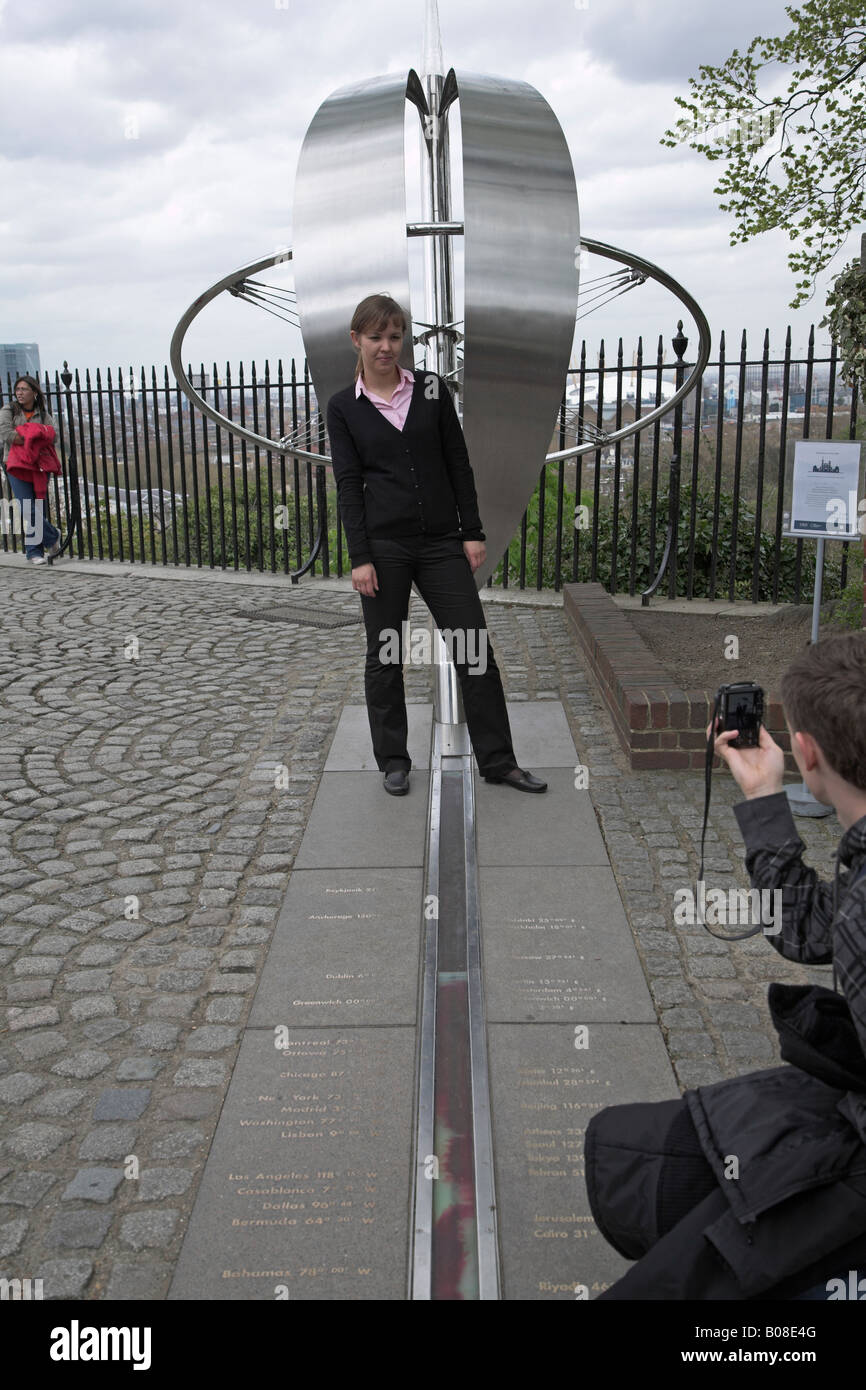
{"points": [[397, 408]]}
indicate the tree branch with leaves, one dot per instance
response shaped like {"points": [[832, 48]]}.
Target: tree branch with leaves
{"points": [[794, 161]]}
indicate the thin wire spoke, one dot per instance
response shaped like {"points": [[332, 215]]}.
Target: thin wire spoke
{"points": [[283, 317], [246, 292], [609, 275], [609, 300], [275, 289]]}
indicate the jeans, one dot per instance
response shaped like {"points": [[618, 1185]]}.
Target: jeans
{"points": [[439, 567], [38, 530]]}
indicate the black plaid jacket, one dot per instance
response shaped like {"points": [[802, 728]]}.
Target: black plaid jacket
{"points": [[821, 922]]}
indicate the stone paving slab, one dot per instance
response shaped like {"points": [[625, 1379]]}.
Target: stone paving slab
{"points": [[540, 734], [544, 1091], [557, 947], [352, 750], [558, 826], [306, 1191], [354, 819], [345, 950]]}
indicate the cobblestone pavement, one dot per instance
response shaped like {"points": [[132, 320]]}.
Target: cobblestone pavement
{"points": [[159, 759]]}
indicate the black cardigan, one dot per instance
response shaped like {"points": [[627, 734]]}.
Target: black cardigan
{"points": [[409, 482]]}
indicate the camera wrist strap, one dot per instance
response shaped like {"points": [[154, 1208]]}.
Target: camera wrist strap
{"points": [[708, 781]]}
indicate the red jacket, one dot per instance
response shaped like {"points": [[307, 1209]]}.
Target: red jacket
{"points": [[35, 458]]}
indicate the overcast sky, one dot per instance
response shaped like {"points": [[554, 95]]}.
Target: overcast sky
{"points": [[149, 149]]}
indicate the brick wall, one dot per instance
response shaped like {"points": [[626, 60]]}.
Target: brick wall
{"points": [[658, 723]]}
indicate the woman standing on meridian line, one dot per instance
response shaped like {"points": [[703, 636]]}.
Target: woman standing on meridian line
{"points": [[409, 510]]}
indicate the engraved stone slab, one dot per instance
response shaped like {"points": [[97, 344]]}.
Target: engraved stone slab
{"points": [[352, 749], [544, 1091], [306, 1190], [556, 827], [558, 948], [355, 823], [345, 950]]}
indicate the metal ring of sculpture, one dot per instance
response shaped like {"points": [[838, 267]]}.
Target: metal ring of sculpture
{"points": [[236, 279]]}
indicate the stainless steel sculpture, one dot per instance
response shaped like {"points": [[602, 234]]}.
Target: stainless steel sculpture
{"points": [[522, 246]]}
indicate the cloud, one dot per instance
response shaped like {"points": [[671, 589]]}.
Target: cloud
{"points": [[150, 149]]}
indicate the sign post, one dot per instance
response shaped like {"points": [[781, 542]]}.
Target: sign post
{"points": [[824, 487]]}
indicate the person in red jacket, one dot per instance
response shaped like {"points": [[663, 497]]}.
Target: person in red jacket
{"points": [[28, 434]]}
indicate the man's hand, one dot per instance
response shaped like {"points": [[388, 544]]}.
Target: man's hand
{"points": [[364, 580], [758, 771], [475, 552]]}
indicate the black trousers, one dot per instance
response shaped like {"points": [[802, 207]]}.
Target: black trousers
{"points": [[440, 569], [652, 1194]]}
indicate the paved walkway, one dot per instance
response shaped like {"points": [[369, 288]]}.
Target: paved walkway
{"points": [[159, 760]]}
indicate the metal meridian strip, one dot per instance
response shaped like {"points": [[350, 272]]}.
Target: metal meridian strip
{"points": [[455, 1242], [455, 1225], [421, 1258], [485, 1195], [349, 223]]}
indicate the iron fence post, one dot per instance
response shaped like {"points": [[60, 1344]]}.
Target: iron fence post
{"points": [[679, 344], [73, 501]]}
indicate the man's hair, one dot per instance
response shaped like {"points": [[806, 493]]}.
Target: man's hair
{"points": [[824, 694]]}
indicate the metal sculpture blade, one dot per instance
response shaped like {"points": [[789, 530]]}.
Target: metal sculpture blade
{"points": [[522, 237], [349, 236]]}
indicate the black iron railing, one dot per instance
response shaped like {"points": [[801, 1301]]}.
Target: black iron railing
{"points": [[160, 484]]}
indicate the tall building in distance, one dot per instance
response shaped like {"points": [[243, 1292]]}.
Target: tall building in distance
{"points": [[775, 376], [18, 358]]}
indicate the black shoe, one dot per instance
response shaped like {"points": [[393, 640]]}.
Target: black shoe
{"points": [[523, 781], [397, 782]]}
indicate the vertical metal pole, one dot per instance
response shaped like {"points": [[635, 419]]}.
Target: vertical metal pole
{"points": [[679, 344], [635, 479], [617, 466], [440, 348], [819, 587], [783, 444], [73, 500]]}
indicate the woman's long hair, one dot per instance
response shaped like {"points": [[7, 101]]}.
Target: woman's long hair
{"points": [[38, 404], [373, 314]]}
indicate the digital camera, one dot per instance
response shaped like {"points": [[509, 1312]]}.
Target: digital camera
{"points": [[740, 707]]}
